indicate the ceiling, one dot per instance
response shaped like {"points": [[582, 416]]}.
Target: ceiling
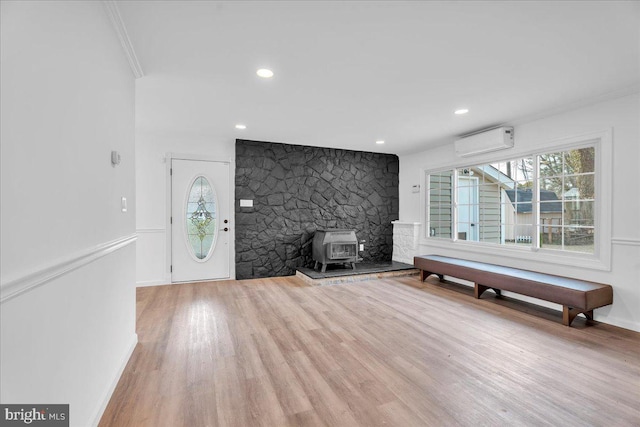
{"points": [[350, 73]]}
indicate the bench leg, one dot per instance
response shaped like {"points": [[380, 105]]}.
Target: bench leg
{"points": [[424, 274], [569, 313], [479, 290]]}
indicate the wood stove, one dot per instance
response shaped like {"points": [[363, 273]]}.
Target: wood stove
{"points": [[334, 246]]}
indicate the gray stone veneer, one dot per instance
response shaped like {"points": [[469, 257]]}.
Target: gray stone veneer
{"points": [[297, 189]]}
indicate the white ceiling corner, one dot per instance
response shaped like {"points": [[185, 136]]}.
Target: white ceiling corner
{"points": [[113, 12]]}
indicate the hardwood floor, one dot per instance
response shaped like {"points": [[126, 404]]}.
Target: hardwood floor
{"points": [[392, 352]]}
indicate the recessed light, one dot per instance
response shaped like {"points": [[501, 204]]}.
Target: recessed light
{"points": [[265, 73], [241, 126], [461, 111], [379, 142]]}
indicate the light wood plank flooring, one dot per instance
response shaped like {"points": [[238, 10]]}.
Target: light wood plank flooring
{"points": [[392, 352]]}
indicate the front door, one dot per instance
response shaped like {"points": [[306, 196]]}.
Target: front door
{"points": [[199, 220]]}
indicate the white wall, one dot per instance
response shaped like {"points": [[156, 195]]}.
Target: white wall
{"points": [[622, 117], [152, 186], [67, 95]]}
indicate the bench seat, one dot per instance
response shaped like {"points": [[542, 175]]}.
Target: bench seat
{"points": [[575, 296]]}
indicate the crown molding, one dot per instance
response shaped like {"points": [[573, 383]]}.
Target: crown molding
{"points": [[19, 285], [118, 24]]}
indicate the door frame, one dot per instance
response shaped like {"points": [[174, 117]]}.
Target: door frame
{"points": [[232, 204]]}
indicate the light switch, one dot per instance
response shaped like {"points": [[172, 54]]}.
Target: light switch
{"points": [[123, 204], [115, 158]]}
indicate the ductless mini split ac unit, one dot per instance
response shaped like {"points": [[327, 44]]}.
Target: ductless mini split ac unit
{"points": [[485, 141]]}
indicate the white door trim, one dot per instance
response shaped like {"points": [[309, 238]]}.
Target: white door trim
{"points": [[232, 197]]}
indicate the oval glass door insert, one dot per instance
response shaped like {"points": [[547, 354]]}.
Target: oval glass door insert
{"points": [[201, 218]]}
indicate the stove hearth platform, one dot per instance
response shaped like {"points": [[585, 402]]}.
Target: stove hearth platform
{"points": [[337, 274]]}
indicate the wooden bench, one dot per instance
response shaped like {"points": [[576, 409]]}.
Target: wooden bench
{"points": [[575, 296]]}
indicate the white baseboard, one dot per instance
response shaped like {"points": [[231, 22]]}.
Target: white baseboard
{"points": [[155, 282], [609, 320], [114, 382], [620, 323]]}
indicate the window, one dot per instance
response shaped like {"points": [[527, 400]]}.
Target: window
{"points": [[201, 218], [572, 175], [542, 201], [441, 204]]}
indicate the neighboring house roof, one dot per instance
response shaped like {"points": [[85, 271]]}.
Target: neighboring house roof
{"points": [[524, 197], [491, 173], [573, 193]]}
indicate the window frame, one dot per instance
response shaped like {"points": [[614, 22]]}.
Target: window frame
{"points": [[600, 259]]}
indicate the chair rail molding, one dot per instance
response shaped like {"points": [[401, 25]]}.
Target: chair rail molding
{"points": [[150, 230], [626, 241], [15, 286], [111, 7]]}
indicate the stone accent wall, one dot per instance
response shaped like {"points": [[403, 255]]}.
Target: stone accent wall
{"points": [[297, 189], [406, 236]]}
